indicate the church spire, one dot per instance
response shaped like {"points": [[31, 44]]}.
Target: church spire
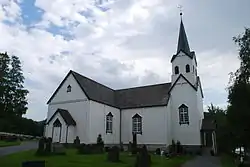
{"points": [[182, 41]]}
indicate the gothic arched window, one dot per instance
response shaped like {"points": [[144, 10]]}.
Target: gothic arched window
{"points": [[183, 114], [137, 124], [187, 68], [176, 70], [109, 123]]}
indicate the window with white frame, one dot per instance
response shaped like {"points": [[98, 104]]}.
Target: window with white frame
{"points": [[109, 123], [183, 114], [137, 124]]}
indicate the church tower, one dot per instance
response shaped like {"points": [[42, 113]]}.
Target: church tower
{"points": [[184, 61], [186, 97]]}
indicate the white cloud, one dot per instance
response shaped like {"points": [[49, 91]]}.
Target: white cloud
{"points": [[129, 45]]}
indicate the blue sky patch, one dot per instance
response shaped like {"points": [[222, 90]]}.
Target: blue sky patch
{"points": [[30, 13]]}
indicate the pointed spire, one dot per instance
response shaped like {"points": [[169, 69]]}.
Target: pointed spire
{"points": [[182, 41]]}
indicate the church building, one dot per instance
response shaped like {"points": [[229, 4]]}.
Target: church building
{"points": [[157, 113]]}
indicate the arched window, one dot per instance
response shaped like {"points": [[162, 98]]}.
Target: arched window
{"points": [[137, 124], [176, 70], [187, 68], [183, 114], [69, 88], [109, 123]]}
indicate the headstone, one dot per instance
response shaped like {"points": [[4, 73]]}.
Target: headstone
{"points": [[58, 148], [134, 144], [113, 154], [143, 159], [33, 164]]}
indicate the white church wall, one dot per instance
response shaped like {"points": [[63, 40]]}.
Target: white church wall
{"points": [[183, 93], [154, 129], [76, 94], [98, 114], [200, 105], [181, 61], [80, 113]]}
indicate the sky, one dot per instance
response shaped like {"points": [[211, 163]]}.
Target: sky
{"points": [[119, 43]]}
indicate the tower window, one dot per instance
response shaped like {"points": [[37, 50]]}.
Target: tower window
{"points": [[183, 114], [176, 70], [137, 124], [187, 68], [69, 88]]}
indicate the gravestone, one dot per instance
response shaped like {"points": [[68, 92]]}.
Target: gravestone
{"points": [[58, 149], [33, 164], [143, 159]]}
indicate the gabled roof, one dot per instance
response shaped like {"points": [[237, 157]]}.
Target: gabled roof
{"points": [[145, 96], [65, 115]]}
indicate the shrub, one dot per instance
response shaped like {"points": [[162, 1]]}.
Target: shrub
{"points": [[172, 148], [113, 154], [143, 159]]}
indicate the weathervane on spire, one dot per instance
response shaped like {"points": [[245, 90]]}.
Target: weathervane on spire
{"points": [[180, 7]]}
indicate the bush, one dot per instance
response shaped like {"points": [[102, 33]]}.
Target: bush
{"points": [[113, 154]]}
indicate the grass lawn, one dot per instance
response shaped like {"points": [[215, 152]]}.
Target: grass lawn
{"points": [[227, 161], [75, 160], [5, 144]]}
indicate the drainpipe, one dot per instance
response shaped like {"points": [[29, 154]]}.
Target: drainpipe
{"points": [[120, 127]]}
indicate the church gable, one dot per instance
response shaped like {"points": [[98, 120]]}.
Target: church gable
{"points": [[68, 90]]}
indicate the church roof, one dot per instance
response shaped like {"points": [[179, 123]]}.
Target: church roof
{"points": [[65, 115], [145, 96]]}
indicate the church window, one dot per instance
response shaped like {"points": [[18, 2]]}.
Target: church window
{"points": [[109, 123], [187, 68], [137, 124], [176, 70], [183, 114], [69, 88]]}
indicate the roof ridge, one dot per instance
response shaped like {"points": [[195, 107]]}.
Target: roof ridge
{"points": [[92, 80], [143, 86]]}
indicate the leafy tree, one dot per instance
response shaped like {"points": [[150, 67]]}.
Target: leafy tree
{"points": [[238, 114], [12, 93]]}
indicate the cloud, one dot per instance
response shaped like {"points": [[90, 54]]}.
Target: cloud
{"points": [[120, 43]]}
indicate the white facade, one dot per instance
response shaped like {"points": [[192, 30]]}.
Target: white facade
{"points": [[160, 123]]}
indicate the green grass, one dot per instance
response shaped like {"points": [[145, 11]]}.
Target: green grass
{"points": [[72, 159], [6, 144], [227, 161]]}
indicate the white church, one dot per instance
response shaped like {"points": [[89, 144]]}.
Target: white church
{"points": [[158, 113]]}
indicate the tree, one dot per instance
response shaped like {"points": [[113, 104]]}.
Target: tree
{"points": [[4, 79], [18, 93], [238, 113], [13, 100]]}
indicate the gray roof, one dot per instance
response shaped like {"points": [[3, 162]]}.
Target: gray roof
{"points": [[65, 115], [145, 96]]}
